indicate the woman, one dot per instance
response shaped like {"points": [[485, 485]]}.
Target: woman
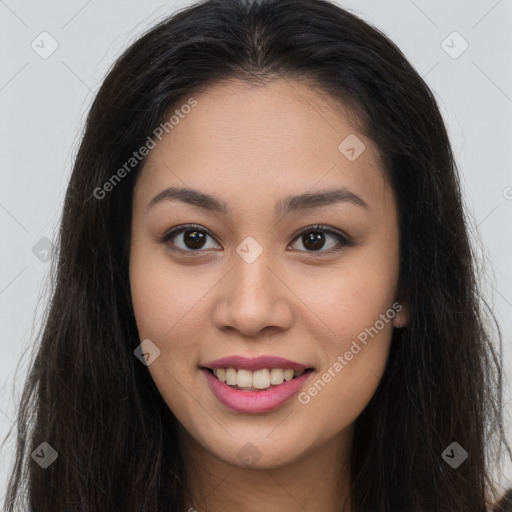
{"points": [[207, 346]]}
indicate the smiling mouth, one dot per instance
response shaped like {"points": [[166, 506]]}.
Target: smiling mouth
{"points": [[259, 380]]}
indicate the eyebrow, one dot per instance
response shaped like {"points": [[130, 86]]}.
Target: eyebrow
{"points": [[283, 207]]}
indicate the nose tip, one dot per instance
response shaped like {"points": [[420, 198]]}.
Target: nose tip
{"points": [[258, 321], [254, 300]]}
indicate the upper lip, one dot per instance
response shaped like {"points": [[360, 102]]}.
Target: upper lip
{"points": [[257, 363]]}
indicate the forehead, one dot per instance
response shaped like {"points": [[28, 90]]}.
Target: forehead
{"points": [[242, 141]]}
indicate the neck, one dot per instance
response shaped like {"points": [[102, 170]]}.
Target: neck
{"points": [[318, 480]]}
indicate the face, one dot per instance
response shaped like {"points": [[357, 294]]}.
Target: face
{"points": [[312, 280]]}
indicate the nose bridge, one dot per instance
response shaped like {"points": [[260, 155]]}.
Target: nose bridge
{"points": [[251, 287], [253, 299]]}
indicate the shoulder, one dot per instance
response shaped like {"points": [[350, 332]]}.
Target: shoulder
{"points": [[504, 504]]}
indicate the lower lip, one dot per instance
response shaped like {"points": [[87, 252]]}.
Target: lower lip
{"points": [[255, 401]]}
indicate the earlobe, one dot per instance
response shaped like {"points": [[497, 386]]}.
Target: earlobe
{"points": [[401, 318]]}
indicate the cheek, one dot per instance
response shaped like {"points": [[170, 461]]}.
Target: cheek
{"points": [[354, 357], [165, 303], [162, 296], [352, 298], [171, 309], [357, 308]]}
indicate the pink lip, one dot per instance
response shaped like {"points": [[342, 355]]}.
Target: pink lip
{"points": [[255, 401], [257, 363]]}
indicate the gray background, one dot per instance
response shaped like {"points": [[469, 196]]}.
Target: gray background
{"points": [[43, 103]]}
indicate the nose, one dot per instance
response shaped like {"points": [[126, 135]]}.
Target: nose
{"points": [[254, 299]]}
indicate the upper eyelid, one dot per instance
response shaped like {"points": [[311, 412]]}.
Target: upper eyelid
{"points": [[321, 227], [187, 227]]}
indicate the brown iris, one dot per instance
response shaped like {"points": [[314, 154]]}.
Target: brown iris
{"points": [[313, 240], [194, 239]]}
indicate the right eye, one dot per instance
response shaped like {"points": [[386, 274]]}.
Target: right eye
{"points": [[191, 236]]}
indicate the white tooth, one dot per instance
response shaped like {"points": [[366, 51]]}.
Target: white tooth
{"points": [[221, 374], [244, 379], [276, 376], [288, 374], [261, 379], [231, 377]]}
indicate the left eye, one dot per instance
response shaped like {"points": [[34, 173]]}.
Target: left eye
{"points": [[313, 238]]}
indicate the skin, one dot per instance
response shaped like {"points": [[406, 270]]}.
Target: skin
{"points": [[252, 146]]}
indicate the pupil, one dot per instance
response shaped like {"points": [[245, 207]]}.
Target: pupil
{"points": [[196, 240], [316, 239]]}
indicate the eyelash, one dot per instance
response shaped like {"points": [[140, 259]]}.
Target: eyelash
{"points": [[343, 240]]}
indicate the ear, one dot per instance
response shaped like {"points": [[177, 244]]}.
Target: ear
{"points": [[401, 318]]}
